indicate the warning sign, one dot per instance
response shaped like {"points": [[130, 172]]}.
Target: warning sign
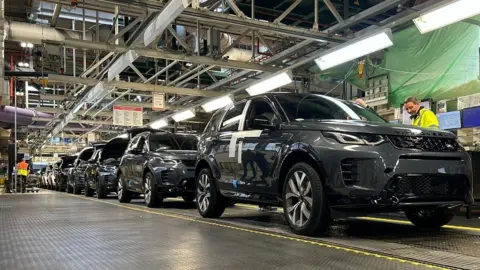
{"points": [[158, 101]]}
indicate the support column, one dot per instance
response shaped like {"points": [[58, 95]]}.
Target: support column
{"points": [[5, 100]]}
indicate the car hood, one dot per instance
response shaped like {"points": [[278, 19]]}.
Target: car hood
{"points": [[366, 127]]}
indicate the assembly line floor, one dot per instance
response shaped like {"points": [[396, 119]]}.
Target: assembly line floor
{"points": [[53, 230]]}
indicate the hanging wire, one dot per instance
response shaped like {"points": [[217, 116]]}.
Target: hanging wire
{"points": [[344, 78]]}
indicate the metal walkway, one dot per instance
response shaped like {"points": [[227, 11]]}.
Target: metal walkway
{"points": [[60, 231]]}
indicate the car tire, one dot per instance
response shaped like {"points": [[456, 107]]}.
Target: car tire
{"points": [[124, 195], [88, 191], [190, 197], [430, 218], [101, 193], [150, 191], [304, 201], [210, 203], [76, 189]]}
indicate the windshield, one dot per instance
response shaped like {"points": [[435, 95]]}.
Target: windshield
{"points": [[163, 142], [186, 142], [67, 161], [317, 107]]}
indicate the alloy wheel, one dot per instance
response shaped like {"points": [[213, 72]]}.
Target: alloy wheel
{"points": [[119, 188], [299, 198], [148, 191], [203, 193]]}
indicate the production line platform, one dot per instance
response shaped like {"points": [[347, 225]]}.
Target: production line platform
{"points": [[52, 230]]}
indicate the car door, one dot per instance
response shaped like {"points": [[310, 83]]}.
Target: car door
{"points": [[126, 163], [225, 146], [259, 148], [138, 161]]}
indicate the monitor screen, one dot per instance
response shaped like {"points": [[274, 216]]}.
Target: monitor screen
{"points": [[449, 120], [471, 117]]}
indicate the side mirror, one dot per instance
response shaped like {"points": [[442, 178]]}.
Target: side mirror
{"points": [[261, 122]]}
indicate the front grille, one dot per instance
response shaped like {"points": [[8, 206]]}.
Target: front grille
{"points": [[109, 178], [430, 185], [164, 176], [349, 171], [430, 144], [189, 163]]}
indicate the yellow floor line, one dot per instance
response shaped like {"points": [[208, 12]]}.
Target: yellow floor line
{"points": [[291, 238], [387, 220], [463, 228]]}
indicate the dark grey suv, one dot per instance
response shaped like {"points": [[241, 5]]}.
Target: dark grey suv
{"points": [[158, 165], [322, 159]]}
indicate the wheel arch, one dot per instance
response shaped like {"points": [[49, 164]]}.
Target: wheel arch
{"points": [[296, 156]]}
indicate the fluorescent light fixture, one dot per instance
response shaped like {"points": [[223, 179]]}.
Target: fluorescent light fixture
{"points": [[447, 14], [188, 64], [26, 64], [23, 44], [20, 64], [355, 49], [159, 124], [182, 116], [217, 103], [29, 45], [270, 83]]}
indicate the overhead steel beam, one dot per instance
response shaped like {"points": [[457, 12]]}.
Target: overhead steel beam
{"points": [[126, 29], [135, 69], [275, 29], [236, 9], [373, 11], [81, 129], [88, 122], [90, 113], [265, 42], [236, 42], [195, 75], [164, 89], [202, 60], [334, 11], [162, 71], [180, 39], [131, 85], [185, 74], [56, 13], [287, 11]]}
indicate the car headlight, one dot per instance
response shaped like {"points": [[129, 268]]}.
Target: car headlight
{"points": [[356, 139]]}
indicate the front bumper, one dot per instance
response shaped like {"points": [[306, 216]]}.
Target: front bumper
{"points": [[382, 178], [108, 180], [177, 179]]}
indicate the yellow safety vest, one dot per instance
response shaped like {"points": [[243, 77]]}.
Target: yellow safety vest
{"points": [[23, 168], [425, 118]]}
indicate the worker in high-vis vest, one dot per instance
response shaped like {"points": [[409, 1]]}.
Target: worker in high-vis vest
{"points": [[420, 116], [22, 168]]}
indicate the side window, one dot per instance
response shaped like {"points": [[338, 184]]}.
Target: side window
{"points": [[213, 123], [142, 145], [259, 108], [232, 118], [133, 143]]}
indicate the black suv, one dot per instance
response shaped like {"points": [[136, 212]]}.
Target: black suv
{"points": [[322, 158], [61, 175], [76, 175], [158, 164], [101, 173]]}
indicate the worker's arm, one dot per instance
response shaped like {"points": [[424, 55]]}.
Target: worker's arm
{"points": [[430, 120]]}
